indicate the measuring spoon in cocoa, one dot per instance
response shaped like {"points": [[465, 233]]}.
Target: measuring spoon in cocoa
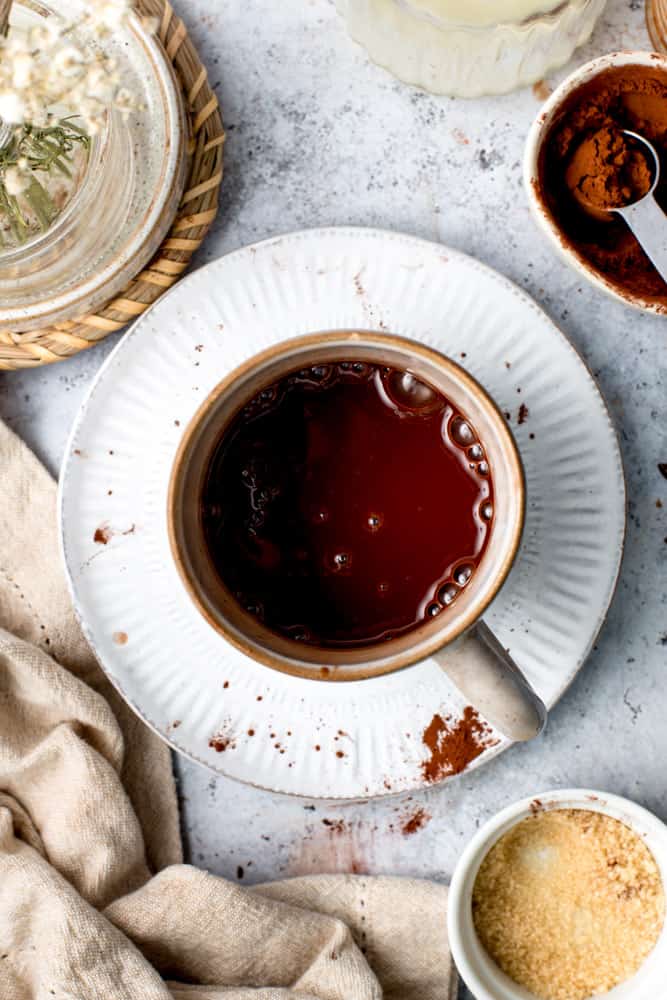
{"points": [[645, 217]]}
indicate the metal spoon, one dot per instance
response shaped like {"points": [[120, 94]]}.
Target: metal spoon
{"points": [[645, 217]]}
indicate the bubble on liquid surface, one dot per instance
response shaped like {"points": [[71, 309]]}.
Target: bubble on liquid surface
{"points": [[483, 468], [476, 452], [321, 516], [448, 593], [433, 610], [374, 522], [409, 393], [463, 574], [342, 560], [320, 372], [461, 432], [383, 587], [486, 510]]}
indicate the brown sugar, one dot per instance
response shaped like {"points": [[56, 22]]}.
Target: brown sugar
{"points": [[569, 903]]}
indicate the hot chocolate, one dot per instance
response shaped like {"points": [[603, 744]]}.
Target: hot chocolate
{"points": [[346, 504]]}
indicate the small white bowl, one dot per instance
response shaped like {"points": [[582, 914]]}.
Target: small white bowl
{"points": [[536, 136], [481, 975]]}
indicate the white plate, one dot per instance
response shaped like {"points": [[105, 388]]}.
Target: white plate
{"points": [[182, 677]]}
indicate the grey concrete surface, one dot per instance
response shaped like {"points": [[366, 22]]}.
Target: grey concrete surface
{"points": [[317, 135]]}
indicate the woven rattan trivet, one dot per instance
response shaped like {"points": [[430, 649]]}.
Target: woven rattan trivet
{"points": [[197, 211], [656, 22]]}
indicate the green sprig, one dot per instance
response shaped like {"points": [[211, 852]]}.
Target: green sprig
{"points": [[45, 150]]}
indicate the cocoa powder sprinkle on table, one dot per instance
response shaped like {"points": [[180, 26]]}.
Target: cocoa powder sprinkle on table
{"points": [[417, 821], [335, 825]]}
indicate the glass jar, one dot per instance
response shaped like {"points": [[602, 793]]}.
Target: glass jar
{"points": [[125, 196], [64, 255], [453, 46]]}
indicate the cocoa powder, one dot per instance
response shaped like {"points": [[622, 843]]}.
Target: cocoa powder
{"points": [[608, 170], [453, 746], [585, 158], [415, 822]]}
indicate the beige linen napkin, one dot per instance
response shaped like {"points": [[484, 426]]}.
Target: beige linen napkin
{"points": [[88, 816]]}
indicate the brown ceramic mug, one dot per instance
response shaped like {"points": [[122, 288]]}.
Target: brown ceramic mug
{"points": [[476, 663]]}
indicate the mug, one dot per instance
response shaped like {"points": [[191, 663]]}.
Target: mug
{"points": [[477, 664]]}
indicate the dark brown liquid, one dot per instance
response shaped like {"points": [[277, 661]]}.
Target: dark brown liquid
{"points": [[347, 503]]}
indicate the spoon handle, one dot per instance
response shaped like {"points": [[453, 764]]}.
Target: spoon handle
{"points": [[648, 222], [485, 673]]}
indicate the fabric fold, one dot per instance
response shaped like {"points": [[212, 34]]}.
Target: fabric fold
{"points": [[95, 903], [35, 605]]}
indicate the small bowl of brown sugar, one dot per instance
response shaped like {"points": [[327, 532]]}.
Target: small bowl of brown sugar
{"points": [[580, 165], [562, 897]]}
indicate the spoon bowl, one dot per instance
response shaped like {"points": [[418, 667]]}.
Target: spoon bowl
{"points": [[644, 216]]}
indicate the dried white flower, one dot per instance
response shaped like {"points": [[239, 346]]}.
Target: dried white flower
{"points": [[16, 45], [48, 68], [23, 70], [39, 116], [92, 113], [111, 14], [44, 34], [16, 181], [12, 107], [101, 85], [68, 62], [124, 101]]}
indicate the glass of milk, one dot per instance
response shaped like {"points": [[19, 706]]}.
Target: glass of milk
{"points": [[467, 48]]}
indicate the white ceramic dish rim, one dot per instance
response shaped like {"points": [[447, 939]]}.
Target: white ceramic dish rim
{"points": [[123, 258], [480, 974], [171, 736], [536, 137]]}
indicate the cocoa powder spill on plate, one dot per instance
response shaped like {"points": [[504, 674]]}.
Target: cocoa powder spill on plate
{"points": [[454, 745]]}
